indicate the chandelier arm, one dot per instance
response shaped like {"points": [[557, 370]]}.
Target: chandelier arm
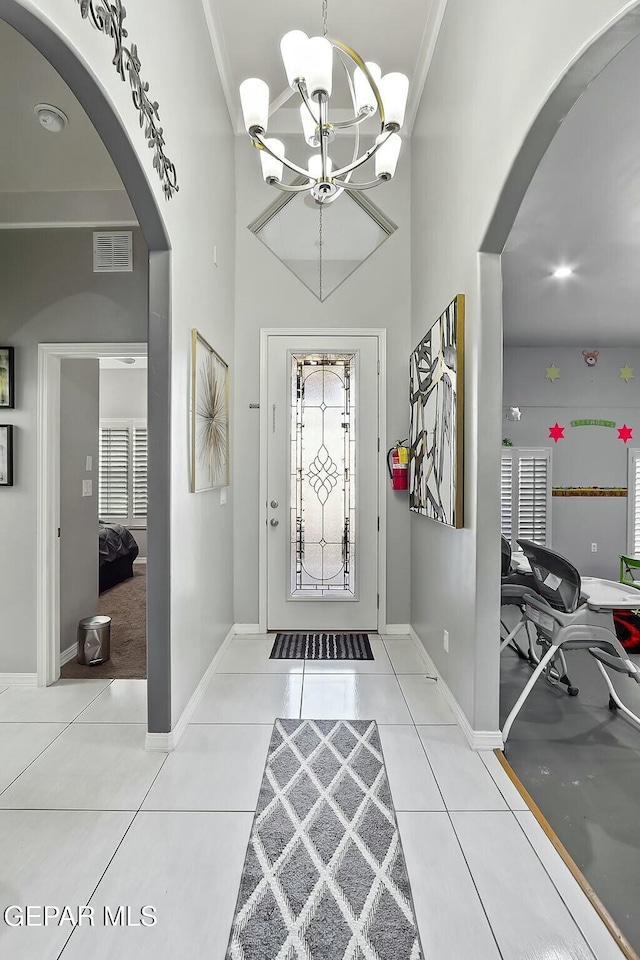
{"points": [[280, 100], [305, 99], [354, 100], [363, 159], [360, 186], [357, 59], [288, 188], [322, 104], [357, 118], [259, 141]]}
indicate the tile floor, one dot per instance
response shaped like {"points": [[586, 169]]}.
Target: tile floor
{"points": [[87, 817]]}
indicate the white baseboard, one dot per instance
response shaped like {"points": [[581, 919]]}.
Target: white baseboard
{"points": [[478, 739], [139, 560], [243, 629], [398, 630], [69, 654], [166, 742], [23, 679]]}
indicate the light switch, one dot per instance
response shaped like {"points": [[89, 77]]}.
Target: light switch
{"points": [[87, 488], [89, 464], [223, 495]]}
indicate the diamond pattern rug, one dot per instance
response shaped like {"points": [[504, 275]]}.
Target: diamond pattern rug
{"points": [[324, 877]]}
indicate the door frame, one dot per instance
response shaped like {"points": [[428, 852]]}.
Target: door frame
{"points": [[50, 357], [336, 332]]}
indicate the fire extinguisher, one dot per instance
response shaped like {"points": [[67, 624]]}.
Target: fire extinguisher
{"points": [[398, 464]]}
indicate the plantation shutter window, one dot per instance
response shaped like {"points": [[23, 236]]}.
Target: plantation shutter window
{"points": [[525, 495], [113, 474], [122, 475], [633, 495]]}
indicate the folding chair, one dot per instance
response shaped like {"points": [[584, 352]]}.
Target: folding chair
{"points": [[571, 613], [514, 588]]}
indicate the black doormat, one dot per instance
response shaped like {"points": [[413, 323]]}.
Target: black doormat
{"points": [[322, 646]]}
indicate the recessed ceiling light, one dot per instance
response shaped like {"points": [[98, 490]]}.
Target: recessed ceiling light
{"points": [[562, 272], [51, 118]]}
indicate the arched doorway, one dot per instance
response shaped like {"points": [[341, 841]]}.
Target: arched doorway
{"points": [[74, 71]]}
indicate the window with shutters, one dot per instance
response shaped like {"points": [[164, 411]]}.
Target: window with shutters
{"points": [[633, 504], [122, 483], [525, 495]]}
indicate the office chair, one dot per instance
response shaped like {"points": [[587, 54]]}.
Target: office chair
{"points": [[570, 613], [514, 587]]}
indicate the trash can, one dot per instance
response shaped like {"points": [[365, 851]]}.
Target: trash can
{"points": [[94, 640]]}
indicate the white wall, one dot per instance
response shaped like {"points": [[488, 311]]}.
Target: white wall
{"points": [[78, 514], [493, 68], [378, 294], [123, 396], [48, 293], [587, 456], [123, 393], [177, 62]]}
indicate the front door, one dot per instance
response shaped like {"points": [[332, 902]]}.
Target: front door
{"points": [[322, 482]]}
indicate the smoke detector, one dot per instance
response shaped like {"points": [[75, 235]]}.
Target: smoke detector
{"points": [[50, 117]]}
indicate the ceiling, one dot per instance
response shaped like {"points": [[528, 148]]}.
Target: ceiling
{"points": [[246, 37], [582, 210], [31, 158]]}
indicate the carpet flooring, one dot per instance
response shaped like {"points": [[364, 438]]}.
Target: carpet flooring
{"points": [[126, 604], [581, 764], [325, 874], [321, 646]]}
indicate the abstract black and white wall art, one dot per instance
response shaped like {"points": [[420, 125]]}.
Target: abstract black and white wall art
{"points": [[436, 397]]}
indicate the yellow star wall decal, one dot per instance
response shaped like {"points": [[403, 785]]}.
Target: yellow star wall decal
{"points": [[626, 373], [553, 373]]}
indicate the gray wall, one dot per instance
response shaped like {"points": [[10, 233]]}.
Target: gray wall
{"points": [[378, 294], [588, 456], [78, 514], [48, 293], [123, 396]]}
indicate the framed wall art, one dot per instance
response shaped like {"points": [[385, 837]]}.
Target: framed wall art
{"points": [[6, 455], [436, 397], [209, 417], [7, 386]]}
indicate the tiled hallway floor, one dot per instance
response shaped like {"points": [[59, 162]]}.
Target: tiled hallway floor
{"points": [[88, 817]]}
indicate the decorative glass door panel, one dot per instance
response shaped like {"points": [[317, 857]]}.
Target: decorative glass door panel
{"points": [[323, 471], [320, 434]]}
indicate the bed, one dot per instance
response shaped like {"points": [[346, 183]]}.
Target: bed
{"points": [[117, 549]]}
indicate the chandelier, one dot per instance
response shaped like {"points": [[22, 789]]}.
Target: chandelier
{"points": [[308, 64]]}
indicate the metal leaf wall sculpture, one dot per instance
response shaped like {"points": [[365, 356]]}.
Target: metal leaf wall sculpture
{"points": [[108, 17]]}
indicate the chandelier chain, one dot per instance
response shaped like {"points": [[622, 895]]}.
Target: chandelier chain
{"points": [[320, 256], [324, 17]]}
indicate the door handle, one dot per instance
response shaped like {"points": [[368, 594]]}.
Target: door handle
{"points": [[274, 522]]}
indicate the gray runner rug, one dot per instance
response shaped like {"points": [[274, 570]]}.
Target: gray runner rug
{"points": [[324, 877]]}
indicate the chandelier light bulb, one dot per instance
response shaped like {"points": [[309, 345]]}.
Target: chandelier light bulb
{"points": [[315, 166], [394, 90], [309, 126], [272, 168], [319, 68], [293, 48], [365, 99], [254, 97], [386, 158]]}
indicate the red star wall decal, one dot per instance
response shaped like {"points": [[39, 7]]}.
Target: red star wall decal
{"points": [[556, 432], [625, 433]]}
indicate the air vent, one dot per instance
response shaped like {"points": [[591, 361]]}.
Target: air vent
{"points": [[113, 252]]}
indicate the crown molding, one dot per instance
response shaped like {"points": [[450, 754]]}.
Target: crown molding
{"points": [[222, 61], [423, 63]]}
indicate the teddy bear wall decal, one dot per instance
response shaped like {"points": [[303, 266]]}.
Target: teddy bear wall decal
{"points": [[591, 357]]}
